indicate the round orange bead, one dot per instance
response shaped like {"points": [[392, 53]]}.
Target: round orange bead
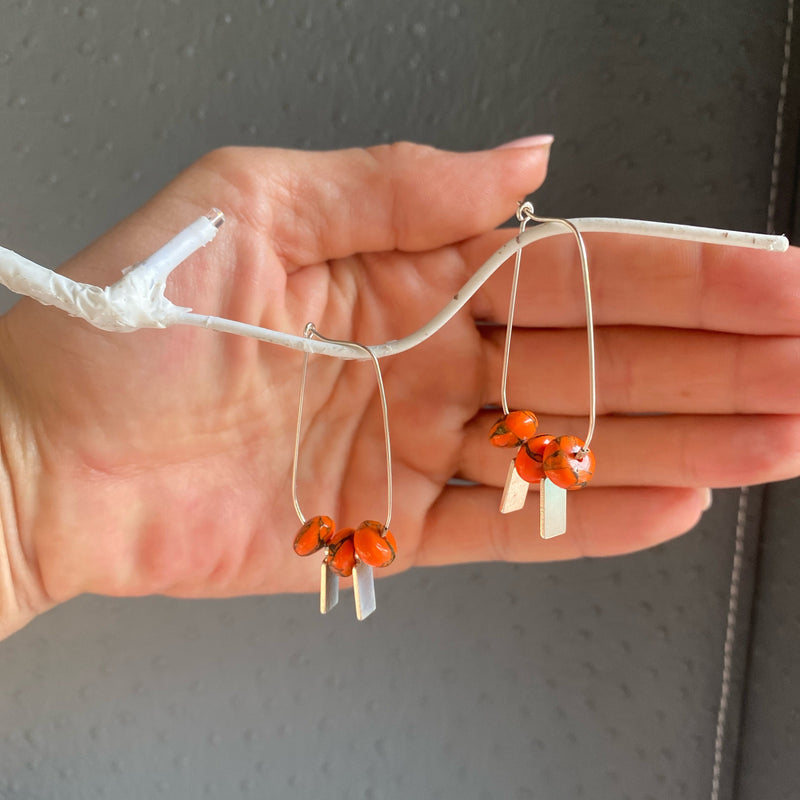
{"points": [[513, 429], [340, 536], [566, 463], [341, 557], [313, 535], [528, 462], [375, 545]]}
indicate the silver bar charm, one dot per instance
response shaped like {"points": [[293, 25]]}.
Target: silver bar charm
{"points": [[364, 590], [552, 509], [328, 589], [514, 492]]}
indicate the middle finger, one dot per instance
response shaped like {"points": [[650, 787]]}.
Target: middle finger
{"points": [[645, 370]]}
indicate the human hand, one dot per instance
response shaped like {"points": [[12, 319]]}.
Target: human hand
{"points": [[160, 461]]}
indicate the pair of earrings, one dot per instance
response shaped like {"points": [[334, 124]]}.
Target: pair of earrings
{"points": [[348, 551], [557, 463]]}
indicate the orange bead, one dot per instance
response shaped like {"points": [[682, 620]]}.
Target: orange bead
{"points": [[528, 462], [375, 545], [513, 429], [341, 557], [313, 535], [566, 463], [340, 536]]}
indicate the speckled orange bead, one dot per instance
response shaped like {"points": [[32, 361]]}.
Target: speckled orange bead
{"points": [[340, 536], [313, 536], [375, 545], [513, 429], [528, 462], [341, 557], [565, 465]]}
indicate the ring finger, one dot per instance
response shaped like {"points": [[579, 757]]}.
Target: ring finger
{"points": [[670, 450]]}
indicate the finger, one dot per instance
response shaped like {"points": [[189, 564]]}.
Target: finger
{"points": [[645, 370], [324, 205], [305, 207], [465, 525], [642, 280], [677, 450]]}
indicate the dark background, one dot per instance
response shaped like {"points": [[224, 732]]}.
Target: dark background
{"points": [[596, 679]]}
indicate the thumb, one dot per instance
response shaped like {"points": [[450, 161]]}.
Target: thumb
{"points": [[309, 207], [315, 206]]}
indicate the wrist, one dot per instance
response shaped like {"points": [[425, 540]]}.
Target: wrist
{"points": [[22, 595], [16, 600]]}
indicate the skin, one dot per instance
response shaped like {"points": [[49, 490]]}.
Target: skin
{"points": [[160, 461]]}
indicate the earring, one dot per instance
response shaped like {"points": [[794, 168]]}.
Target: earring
{"points": [[348, 551], [557, 463]]}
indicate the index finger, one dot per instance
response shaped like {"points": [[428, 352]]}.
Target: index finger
{"points": [[643, 280]]}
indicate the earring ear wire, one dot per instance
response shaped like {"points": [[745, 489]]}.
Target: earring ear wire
{"points": [[557, 463], [348, 551]]}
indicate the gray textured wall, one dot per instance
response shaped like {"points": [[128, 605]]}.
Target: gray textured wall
{"points": [[590, 679]]}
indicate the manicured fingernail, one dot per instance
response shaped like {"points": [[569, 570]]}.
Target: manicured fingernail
{"points": [[544, 140], [709, 499]]}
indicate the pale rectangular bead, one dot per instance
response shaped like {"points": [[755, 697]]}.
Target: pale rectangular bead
{"points": [[328, 589], [514, 492], [364, 590], [552, 509]]}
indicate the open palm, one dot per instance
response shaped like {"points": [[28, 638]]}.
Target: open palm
{"points": [[160, 461]]}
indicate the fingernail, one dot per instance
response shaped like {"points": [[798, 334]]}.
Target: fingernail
{"points": [[709, 499], [528, 141]]}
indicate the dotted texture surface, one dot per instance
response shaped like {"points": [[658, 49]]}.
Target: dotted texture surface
{"points": [[595, 679], [589, 679], [771, 724]]}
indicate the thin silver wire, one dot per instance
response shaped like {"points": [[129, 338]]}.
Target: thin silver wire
{"points": [[525, 215], [523, 223], [311, 331]]}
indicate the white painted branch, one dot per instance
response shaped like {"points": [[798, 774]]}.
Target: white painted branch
{"points": [[460, 299], [137, 300]]}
